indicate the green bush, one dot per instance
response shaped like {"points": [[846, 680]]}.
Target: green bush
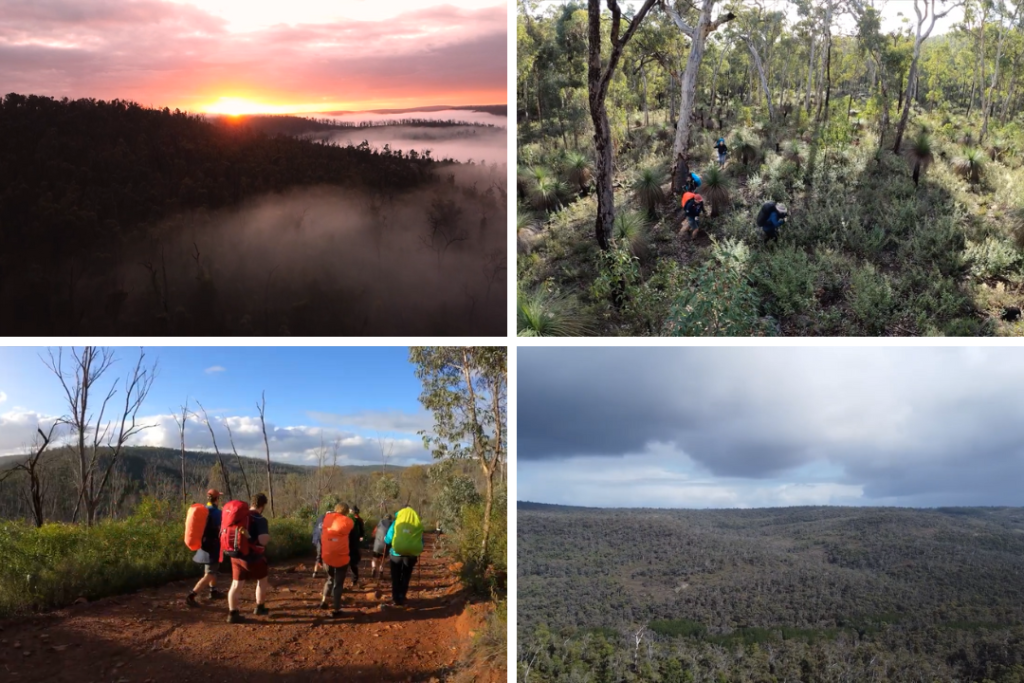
{"points": [[785, 276], [871, 299], [54, 565]]}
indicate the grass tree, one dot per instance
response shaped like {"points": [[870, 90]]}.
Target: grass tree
{"points": [[631, 231], [921, 154], [578, 171], [466, 389], [715, 188], [647, 190], [970, 166], [541, 315]]}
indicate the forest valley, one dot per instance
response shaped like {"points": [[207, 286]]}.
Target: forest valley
{"points": [[899, 154], [802, 594], [116, 219]]}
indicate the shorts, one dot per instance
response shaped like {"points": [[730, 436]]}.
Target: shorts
{"points": [[211, 568], [721, 158], [253, 570], [693, 222]]}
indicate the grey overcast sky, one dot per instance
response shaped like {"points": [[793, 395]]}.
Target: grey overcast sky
{"points": [[752, 426]]}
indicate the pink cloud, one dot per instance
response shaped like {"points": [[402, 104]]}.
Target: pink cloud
{"points": [[167, 54]]}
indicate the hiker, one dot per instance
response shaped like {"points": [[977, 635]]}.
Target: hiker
{"points": [[723, 150], [406, 538], [693, 206], [244, 537], [693, 183], [380, 546], [318, 526], [355, 538], [208, 554], [335, 549], [770, 218]]}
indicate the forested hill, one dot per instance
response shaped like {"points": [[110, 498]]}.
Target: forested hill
{"points": [[76, 171], [887, 594]]}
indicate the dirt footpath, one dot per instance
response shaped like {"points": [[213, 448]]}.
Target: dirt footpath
{"points": [[153, 636]]}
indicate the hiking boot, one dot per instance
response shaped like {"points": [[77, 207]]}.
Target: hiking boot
{"points": [[337, 614], [324, 605], [217, 595], [261, 610], [191, 600], [234, 617]]}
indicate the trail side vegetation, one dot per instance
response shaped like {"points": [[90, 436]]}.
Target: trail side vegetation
{"points": [[899, 153], [803, 594]]}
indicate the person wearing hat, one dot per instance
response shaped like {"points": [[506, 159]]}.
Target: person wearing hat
{"points": [[208, 554], [355, 538], [693, 206], [770, 218]]}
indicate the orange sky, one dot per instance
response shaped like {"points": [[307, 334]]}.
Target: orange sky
{"points": [[233, 56]]}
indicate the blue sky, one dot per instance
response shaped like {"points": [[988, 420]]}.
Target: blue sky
{"points": [[350, 393]]}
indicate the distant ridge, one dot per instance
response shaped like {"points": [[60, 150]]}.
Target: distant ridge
{"points": [[496, 109]]}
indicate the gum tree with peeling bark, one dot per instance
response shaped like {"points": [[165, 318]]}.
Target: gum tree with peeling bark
{"points": [[698, 35], [923, 15]]}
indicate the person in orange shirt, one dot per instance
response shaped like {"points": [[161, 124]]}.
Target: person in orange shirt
{"points": [[334, 550], [693, 206]]}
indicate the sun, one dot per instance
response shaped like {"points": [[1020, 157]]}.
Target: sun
{"points": [[235, 106]]}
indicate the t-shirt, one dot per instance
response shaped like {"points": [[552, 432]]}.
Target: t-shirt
{"points": [[211, 535], [258, 525]]}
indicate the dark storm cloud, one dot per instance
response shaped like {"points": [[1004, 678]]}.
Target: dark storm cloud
{"points": [[923, 425]]}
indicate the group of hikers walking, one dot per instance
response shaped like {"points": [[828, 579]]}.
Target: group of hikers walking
{"points": [[769, 219], [241, 533]]}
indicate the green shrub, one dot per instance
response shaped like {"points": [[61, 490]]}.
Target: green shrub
{"points": [[720, 302], [786, 278], [54, 565], [871, 298], [992, 258]]}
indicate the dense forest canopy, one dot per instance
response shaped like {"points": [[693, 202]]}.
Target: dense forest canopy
{"points": [[783, 594], [118, 219], [898, 153]]}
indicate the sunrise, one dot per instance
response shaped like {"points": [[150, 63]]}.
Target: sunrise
{"points": [[229, 168]]}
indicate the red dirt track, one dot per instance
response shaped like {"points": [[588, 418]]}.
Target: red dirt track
{"points": [[153, 636]]}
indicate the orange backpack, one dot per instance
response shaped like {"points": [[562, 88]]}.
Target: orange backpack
{"points": [[334, 539], [195, 526]]}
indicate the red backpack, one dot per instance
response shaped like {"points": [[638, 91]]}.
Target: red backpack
{"points": [[234, 531]]}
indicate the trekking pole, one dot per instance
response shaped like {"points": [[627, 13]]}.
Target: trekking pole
{"points": [[377, 592]]}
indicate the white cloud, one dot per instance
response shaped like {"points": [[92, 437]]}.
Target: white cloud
{"points": [[215, 369], [293, 443], [380, 421], [3, 397]]}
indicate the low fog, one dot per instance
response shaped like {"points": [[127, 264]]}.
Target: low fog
{"points": [[463, 115], [327, 261], [461, 143]]}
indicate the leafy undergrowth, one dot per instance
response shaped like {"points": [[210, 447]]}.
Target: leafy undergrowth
{"points": [[864, 252], [56, 564]]}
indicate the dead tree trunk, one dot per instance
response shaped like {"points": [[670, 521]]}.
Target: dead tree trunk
{"points": [[181, 438], [223, 469], [262, 407]]}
